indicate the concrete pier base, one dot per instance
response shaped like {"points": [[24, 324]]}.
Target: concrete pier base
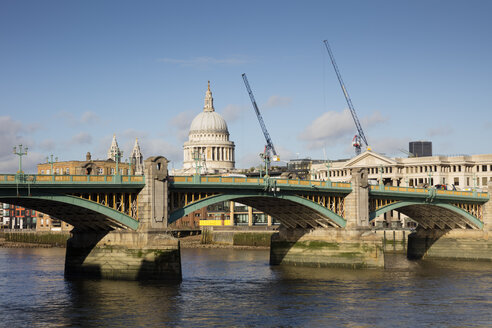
{"points": [[327, 248], [452, 244], [123, 255]]}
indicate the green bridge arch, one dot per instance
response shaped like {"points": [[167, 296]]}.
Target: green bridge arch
{"points": [[77, 203], [394, 206], [177, 214]]}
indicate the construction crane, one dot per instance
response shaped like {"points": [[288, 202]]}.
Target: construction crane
{"points": [[269, 148], [359, 137]]}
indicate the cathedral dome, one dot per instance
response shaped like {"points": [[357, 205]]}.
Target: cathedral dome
{"points": [[208, 148], [208, 122]]}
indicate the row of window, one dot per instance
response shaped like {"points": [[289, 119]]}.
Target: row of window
{"points": [[100, 171]]}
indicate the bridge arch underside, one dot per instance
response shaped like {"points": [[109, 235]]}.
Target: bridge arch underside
{"points": [[433, 216], [84, 215], [290, 210]]}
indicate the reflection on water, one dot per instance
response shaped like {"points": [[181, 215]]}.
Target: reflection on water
{"points": [[225, 287]]}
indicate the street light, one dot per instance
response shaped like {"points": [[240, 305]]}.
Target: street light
{"points": [[20, 153], [266, 160], [51, 162]]}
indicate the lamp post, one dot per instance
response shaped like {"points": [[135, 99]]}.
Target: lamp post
{"points": [[381, 184], [130, 164], [20, 153], [266, 160], [117, 158], [198, 157], [51, 162], [328, 165]]}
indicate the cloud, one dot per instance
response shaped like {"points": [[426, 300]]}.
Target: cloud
{"points": [[205, 61], [132, 134], [328, 128], [390, 146], [181, 123], [87, 117], [81, 138], [14, 133], [440, 131], [333, 126], [47, 145], [232, 112], [159, 147], [374, 119], [278, 101], [487, 125]]}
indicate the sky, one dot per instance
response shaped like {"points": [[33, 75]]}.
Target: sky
{"points": [[75, 73]]}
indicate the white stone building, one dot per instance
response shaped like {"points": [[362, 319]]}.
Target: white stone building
{"points": [[208, 146], [460, 172]]}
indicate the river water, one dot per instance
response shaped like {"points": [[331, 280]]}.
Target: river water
{"points": [[227, 287]]}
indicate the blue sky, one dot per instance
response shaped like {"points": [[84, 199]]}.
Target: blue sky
{"points": [[73, 73]]}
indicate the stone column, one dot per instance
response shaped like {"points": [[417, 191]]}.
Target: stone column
{"points": [[357, 202], [250, 216], [231, 205], [269, 220], [148, 253], [487, 211]]}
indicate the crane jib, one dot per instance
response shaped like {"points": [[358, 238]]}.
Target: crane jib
{"points": [[345, 93], [269, 141]]}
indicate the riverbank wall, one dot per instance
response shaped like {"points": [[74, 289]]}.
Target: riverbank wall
{"points": [[238, 236], [54, 239]]}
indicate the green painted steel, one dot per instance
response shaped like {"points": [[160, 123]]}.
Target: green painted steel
{"points": [[113, 214], [238, 195], [400, 204], [198, 182], [57, 188], [428, 193]]}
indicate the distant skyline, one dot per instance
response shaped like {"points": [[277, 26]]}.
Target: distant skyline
{"points": [[73, 73]]}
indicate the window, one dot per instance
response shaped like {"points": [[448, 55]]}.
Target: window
{"points": [[100, 171], [456, 181], [57, 171], [42, 171], [112, 170], [48, 172], [484, 181], [484, 168], [67, 170]]}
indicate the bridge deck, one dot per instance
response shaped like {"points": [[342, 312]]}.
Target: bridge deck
{"points": [[244, 182], [406, 192]]}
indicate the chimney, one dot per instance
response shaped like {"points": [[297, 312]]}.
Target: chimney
{"points": [[88, 156]]}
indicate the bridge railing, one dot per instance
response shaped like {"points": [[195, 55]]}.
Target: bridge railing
{"points": [[46, 178], [426, 190], [259, 181]]}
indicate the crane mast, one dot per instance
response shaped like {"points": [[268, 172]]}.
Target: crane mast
{"points": [[356, 142], [269, 146]]}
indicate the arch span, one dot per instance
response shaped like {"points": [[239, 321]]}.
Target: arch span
{"points": [[83, 214], [429, 215], [290, 210]]}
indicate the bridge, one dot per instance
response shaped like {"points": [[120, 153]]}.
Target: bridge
{"points": [[120, 222], [88, 202], [321, 204]]}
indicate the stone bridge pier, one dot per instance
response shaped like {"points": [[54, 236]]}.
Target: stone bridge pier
{"points": [[458, 244], [352, 246], [149, 253]]}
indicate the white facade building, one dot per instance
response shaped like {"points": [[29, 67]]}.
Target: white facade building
{"points": [[460, 172]]}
